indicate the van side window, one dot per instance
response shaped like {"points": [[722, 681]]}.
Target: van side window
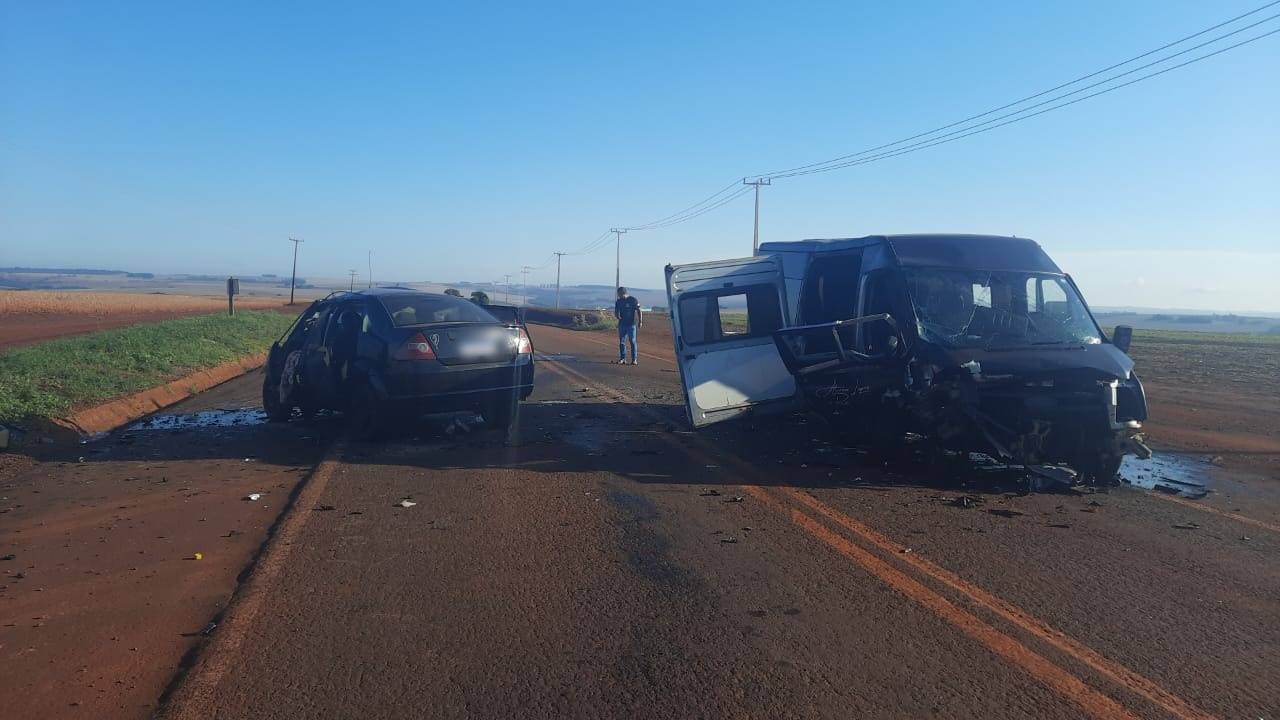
{"points": [[885, 293], [730, 314], [830, 291]]}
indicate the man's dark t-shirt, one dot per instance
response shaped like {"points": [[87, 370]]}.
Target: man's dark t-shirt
{"points": [[627, 309]]}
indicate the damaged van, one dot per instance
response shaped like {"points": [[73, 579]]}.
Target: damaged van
{"points": [[973, 343]]}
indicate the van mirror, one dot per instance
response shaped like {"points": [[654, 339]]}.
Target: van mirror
{"points": [[1122, 337]]}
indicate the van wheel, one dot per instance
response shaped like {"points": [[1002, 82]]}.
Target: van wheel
{"points": [[366, 417], [276, 411]]}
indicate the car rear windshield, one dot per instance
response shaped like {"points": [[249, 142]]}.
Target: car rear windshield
{"points": [[425, 309]]}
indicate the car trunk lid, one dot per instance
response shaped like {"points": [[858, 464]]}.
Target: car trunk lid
{"points": [[467, 343]]}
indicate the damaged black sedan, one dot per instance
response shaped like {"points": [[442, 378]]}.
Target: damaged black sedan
{"points": [[977, 344], [387, 355]]}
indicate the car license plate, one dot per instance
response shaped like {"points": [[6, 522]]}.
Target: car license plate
{"points": [[474, 348]]}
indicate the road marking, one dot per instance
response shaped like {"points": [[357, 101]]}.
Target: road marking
{"points": [[197, 695], [1223, 513], [1199, 506], [1004, 646], [1114, 671]]}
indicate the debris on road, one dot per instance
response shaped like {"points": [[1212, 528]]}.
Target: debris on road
{"points": [[1187, 526], [729, 539], [253, 497], [10, 556], [324, 508], [208, 629], [734, 499], [406, 503], [195, 556], [966, 501], [710, 493]]}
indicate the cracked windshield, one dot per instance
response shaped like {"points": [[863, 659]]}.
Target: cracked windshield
{"points": [[974, 308]]}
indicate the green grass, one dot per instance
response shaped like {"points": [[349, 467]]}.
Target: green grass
{"points": [[51, 379], [1195, 337]]}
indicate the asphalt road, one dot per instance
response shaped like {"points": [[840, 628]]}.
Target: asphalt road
{"points": [[607, 562]]}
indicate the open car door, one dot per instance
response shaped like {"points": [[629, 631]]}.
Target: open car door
{"points": [[723, 316]]}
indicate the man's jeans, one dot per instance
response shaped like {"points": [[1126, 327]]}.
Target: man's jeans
{"points": [[626, 336]]}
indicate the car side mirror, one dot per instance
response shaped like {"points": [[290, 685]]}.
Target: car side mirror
{"points": [[1122, 338]]}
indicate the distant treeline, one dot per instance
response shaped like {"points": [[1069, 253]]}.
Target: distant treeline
{"points": [[62, 271]]}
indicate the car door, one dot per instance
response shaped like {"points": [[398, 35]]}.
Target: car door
{"points": [[723, 316], [853, 365], [317, 380]]}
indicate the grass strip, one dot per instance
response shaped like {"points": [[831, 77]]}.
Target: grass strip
{"points": [[51, 379]]}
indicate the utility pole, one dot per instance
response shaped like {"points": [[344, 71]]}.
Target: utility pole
{"points": [[294, 281], [558, 256], [617, 268], [506, 290], [353, 274], [755, 238], [370, 268], [524, 284]]}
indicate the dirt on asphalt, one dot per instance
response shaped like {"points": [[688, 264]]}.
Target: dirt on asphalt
{"points": [[102, 596], [606, 562]]}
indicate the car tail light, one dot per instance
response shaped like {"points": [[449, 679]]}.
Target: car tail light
{"points": [[524, 343], [416, 349]]}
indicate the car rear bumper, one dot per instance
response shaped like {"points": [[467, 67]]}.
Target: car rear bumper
{"points": [[434, 385]]}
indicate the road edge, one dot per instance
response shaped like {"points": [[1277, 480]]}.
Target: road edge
{"points": [[191, 693], [121, 411]]}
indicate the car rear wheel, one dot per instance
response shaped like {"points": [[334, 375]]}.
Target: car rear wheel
{"points": [[501, 413], [366, 415], [1104, 470], [276, 410]]}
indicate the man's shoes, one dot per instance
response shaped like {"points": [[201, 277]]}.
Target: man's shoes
{"points": [[635, 362], [621, 362]]}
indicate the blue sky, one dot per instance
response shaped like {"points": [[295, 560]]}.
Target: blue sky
{"points": [[463, 140]]}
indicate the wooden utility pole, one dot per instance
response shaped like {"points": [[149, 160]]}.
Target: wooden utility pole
{"points": [[294, 280], [558, 256], [617, 268], [755, 237]]}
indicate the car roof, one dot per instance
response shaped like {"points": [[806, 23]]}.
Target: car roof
{"points": [[987, 252]]}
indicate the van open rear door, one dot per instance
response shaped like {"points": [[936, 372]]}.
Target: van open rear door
{"points": [[723, 316]]}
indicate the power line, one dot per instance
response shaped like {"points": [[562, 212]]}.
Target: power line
{"points": [[933, 138], [721, 203], [978, 129], [795, 171], [722, 191]]}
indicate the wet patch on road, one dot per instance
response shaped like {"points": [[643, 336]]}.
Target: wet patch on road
{"points": [[225, 417], [1167, 472]]}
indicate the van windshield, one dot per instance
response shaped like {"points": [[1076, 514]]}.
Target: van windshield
{"points": [[963, 308]]}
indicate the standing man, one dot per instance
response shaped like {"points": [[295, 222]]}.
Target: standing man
{"points": [[627, 310]]}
